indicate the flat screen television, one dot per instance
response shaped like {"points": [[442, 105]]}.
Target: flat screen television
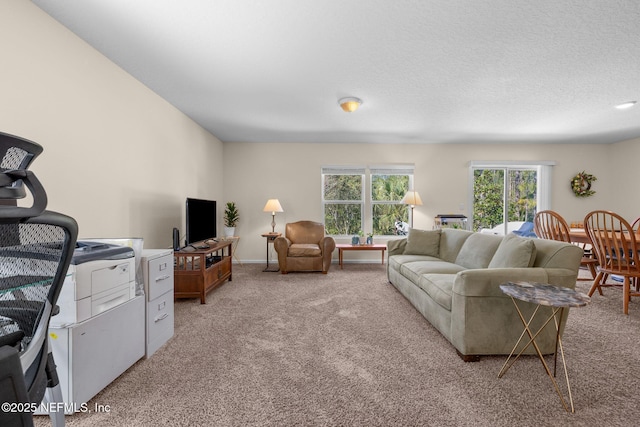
{"points": [[201, 220]]}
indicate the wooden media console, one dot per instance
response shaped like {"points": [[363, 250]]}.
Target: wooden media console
{"points": [[197, 271]]}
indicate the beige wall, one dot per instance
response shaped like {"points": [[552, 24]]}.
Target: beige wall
{"points": [[121, 160], [291, 173], [117, 157]]}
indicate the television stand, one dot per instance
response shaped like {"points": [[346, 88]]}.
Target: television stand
{"points": [[196, 272]]}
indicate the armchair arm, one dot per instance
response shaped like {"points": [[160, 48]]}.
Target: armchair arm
{"points": [[281, 245], [327, 245]]}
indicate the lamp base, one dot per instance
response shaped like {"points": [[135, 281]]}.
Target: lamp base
{"points": [[273, 223]]}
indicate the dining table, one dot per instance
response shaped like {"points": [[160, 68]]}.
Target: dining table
{"points": [[579, 235]]}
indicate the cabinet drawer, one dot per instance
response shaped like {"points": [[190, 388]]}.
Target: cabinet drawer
{"points": [[160, 321], [160, 276]]}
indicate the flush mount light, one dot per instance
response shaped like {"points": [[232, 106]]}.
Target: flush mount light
{"points": [[626, 105], [350, 104]]}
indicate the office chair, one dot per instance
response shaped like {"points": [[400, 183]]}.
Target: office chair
{"points": [[36, 247]]}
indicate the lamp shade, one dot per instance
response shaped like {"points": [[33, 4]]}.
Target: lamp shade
{"points": [[273, 205], [412, 198]]}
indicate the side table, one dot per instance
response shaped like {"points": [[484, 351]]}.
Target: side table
{"points": [[270, 238], [557, 299], [235, 240], [349, 247]]}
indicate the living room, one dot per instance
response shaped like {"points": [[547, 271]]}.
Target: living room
{"points": [[135, 158], [121, 160]]}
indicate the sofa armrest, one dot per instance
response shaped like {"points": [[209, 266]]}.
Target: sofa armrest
{"points": [[487, 281], [396, 247]]}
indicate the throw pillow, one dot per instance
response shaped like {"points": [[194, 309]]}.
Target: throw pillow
{"points": [[514, 252], [422, 242]]}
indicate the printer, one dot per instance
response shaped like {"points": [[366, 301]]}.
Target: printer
{"points": [[100, 276]]}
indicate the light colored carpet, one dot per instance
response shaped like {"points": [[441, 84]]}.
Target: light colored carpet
{"points": [[346, 349]]}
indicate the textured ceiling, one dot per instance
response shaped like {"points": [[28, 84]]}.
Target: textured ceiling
{"points": [[428, 71]]}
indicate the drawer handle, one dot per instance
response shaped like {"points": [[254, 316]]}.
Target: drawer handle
{"points": [[162, 278], [161, 317]]}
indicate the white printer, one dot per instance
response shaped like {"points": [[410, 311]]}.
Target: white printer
{"points": [[101, 276], [100, 330]]}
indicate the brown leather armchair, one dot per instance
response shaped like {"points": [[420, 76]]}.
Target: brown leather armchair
{"points": [[304, 247]]}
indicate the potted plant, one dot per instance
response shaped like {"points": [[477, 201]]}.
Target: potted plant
{"points": [[231, 217]]}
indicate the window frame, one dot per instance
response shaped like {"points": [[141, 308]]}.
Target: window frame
{"points": [[366, 202], [544, 169]]}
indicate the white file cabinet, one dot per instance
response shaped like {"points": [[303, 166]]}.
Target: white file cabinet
{"points": [[91, 354], [157, 268]]}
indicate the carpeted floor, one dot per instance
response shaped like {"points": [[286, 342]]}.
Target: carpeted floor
{"points": [[346, 349]]}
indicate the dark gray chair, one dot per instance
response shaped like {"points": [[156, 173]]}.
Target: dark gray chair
{"points": [[36, 247]]}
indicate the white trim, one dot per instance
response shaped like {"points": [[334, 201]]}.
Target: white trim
{"points": [[509, 163], [344, 170]]}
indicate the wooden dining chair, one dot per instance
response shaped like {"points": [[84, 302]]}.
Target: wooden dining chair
{"points": [[551, 225], [615, 245], [636, 229]]}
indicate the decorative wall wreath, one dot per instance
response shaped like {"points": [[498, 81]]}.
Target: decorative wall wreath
{"points": [[581, 184]]}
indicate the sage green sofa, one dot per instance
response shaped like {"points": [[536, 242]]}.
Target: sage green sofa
{"points": [[452, 278]]}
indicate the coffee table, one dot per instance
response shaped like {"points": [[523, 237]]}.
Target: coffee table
{"points": [[348, 247], [557, 299]]}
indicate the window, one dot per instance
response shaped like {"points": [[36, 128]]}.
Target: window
{"points": [[366, 199], [388, 187], [343, 200], [508, 192]]}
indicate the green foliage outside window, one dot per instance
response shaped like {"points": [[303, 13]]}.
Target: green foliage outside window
{"points": [[386, 193], [343, 187], [343, 203], [488, 196], [342, 219]]}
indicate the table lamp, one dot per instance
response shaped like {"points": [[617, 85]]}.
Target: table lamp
{"points": [[273, 206], [412, 198]]}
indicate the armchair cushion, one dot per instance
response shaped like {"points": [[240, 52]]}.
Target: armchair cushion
{"points": [[304, 249]]}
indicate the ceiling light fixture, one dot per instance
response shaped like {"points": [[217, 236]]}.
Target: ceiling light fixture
{"points": [[350, 104], [626, 105]]}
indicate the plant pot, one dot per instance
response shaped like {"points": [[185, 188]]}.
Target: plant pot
{"points": [[229, 231]]}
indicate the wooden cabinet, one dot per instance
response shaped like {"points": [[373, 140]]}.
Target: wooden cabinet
{"points": [[198, 271]]}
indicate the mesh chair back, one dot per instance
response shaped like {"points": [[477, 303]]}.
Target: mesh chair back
{"points": [[36, 247], [16, 154]]}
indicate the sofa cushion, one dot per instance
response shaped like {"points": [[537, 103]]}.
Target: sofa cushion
{"points": [[414, 270], [422, 242], [304, 249], [514, 252], [438, 287], [477, 251], [397, 261], [451, 240]]}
